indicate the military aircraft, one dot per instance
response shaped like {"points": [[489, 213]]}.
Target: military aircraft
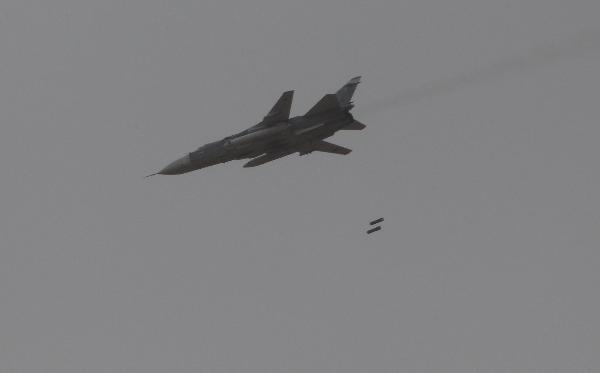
{"points": [[278, 135]]}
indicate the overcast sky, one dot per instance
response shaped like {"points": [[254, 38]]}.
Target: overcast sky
{"points": [[481, 153]]}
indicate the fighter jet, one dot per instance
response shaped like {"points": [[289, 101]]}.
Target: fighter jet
{"points": [[278, 135]]}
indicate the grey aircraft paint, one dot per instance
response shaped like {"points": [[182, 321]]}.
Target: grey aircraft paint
{"points": [[277, 135]]}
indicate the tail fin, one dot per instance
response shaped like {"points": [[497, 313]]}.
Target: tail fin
{"points": [[344, 94], [338, 101]]}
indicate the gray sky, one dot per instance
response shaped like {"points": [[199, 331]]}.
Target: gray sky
{"points": [[481, 153]]}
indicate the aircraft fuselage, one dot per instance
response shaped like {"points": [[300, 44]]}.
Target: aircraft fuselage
{"points": [[296, 133], [278, 135]]}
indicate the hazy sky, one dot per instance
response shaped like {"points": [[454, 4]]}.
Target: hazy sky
{"points": [[481, 152]]}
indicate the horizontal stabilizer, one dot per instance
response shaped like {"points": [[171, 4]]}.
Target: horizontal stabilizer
{"points": [[327, 147], [356, 126], [267, 158], [327, 103]]}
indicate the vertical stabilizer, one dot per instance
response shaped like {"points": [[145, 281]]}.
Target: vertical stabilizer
{"points": [[344, 94]]}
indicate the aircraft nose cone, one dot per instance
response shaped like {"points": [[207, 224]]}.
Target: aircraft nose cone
{"points": [[180, 166]]}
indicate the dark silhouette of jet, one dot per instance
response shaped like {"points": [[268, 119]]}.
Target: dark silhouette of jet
{"points": [[278, 135]]}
